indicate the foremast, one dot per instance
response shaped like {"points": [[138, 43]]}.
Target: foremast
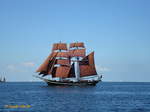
{"points": [[58, 62]]}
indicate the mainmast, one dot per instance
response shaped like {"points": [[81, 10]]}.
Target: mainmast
{"points": [[77, 50]]}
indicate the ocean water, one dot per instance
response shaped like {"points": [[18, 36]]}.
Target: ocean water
{"points": [[104, 97]]}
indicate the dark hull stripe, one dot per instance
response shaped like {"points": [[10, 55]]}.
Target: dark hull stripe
{"points": [[49, 82]]}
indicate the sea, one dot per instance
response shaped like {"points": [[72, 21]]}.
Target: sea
{"points": [[104, 97]]}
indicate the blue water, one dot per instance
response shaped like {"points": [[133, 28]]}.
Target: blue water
{"points": [[105, 97]]}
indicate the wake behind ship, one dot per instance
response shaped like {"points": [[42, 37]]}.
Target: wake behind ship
{"points": [[69, 66]]}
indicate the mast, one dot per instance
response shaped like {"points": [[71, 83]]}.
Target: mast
{"points": [[77, 50], [62, 63], [76, 65], [57, 64]]}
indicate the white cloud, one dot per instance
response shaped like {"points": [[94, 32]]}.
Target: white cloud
{"points": [[13, 68], [20, 67], [28, 64], [102, 68]]}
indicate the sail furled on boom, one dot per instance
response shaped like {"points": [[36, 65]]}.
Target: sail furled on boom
{"points": [[87, 66], [77, 44], [59, 46]]}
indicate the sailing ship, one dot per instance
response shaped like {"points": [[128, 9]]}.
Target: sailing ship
{"points": [[2, 79], [69, 66]]}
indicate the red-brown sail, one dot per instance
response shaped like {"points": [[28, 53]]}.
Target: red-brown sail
{"points": [[51, 66], [63, 61], [62, 54], [77, 53], [62, 71], [59, 46], [53, 71], [44, 66], [77, 44], [87, 66]]}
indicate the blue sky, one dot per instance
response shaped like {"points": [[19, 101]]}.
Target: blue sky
{"points": [[117, 30]]}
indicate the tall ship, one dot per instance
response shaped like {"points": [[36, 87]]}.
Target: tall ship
{"points": [[69, 66]]}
